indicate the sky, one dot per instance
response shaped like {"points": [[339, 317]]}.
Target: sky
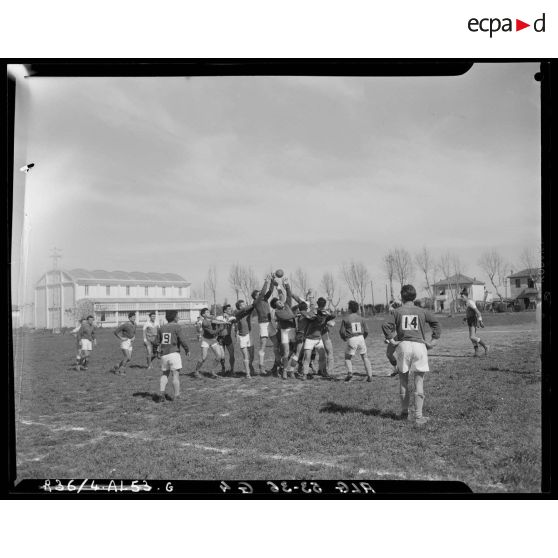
{"points": [[180, 174]]}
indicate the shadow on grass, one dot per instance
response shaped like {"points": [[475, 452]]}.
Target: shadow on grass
{"points": [[335, 408], [137, 366], [144, 395]]}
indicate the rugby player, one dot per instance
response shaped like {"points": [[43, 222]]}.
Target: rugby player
{"points": [[286, 320], [86, 339], [150, 330], [313, 340], [170, 338], [243, 317], [354, 331], [405, 329], [225, 335], [74, 332], [326, 337], [474, 319], [265, 323], [209, 341], [126, 332]]}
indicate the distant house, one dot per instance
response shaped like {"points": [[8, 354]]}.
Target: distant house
{"points": [[524, 286], [448, 290]]}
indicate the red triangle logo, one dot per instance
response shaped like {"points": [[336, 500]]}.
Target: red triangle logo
{"points": [[519, 25]]}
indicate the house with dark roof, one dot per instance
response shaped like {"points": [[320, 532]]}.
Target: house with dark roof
{"points": [[110, 295], [448, 290], [524, 286]]}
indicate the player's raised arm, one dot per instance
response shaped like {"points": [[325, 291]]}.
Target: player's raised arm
{"points": [[343, 331], [289, 299], [271, 287]]}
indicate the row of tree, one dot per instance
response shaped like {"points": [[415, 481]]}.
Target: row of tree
{"points": [[400, 268]]}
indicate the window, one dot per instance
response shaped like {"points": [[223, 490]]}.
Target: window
{"points": [[86, 290], [107, 290], [530, 284], [179, 291], [517, 283], [164, 291], [127, 290], [146, 291]]}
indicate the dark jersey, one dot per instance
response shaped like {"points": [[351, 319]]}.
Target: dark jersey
{"points": [[408, 324], [127, 329], [86, 331], [352, 326], [171, 337], [243, 320], [262, 306]]}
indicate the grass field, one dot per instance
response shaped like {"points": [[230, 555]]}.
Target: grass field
{"points": [[485, 427]]}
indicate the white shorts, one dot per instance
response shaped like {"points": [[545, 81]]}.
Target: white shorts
{"points": [[287, 335], [411, 356], [267, 329], [126, 345], [244, 341], [207, 343], [85, 345], [171, 362], [311, 344], [356, 345]]}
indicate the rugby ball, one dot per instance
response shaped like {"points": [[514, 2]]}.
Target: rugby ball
{"points": [[279, 273]]}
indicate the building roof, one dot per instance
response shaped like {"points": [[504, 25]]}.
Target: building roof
{"points": [[458, 279], [528, 272], [136, 277]]}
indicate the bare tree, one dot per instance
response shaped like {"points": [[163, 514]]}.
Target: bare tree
{"points": [[329, 285], [389, 266], [300, 281], [403, 265], [493, 265], [235, 279], [357, 278], [211, 282], [427, 266], [531, 260], [248, 282], [451, 268]]}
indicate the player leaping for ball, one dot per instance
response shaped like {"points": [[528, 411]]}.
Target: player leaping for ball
{"points": [[354, 331], [405, 329], [474, 319], [265, 323], [286, 319]]}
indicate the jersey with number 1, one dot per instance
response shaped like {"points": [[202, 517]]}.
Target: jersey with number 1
{"points": [[171, 337], [352, 326], [408, 324]]}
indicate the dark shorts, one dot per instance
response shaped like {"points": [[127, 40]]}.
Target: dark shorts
{"points": [[472, 321]]}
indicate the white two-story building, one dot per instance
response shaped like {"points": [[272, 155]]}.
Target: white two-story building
{"points": [[110, 295]]}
